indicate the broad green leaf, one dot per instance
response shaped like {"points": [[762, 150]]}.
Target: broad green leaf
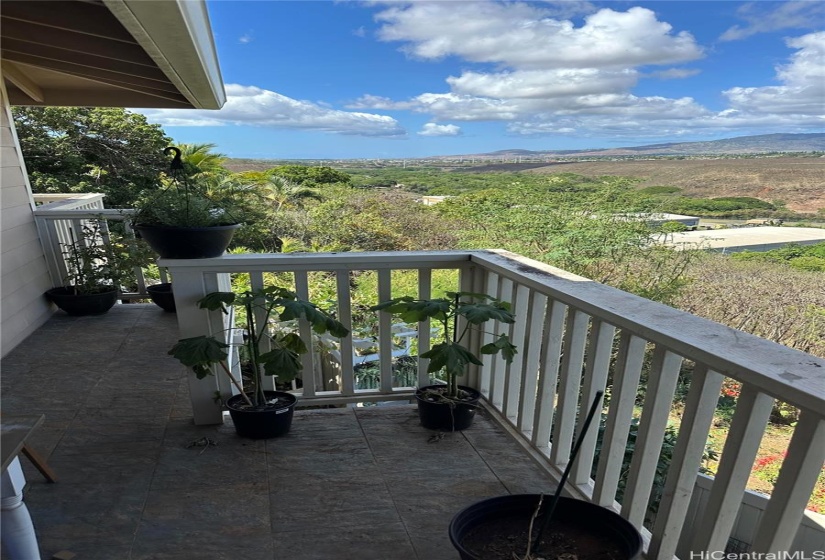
{"points": [[282, 363], [501, 344], [477, 313], [450, 356], [199, 353], [217, 300]]}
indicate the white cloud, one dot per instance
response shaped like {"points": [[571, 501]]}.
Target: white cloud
{"points": [[803, 84], [542, 74], [432, 129], [246, 38], [524, 36], [250, 105], [360, 32], [560, 82], [764, 17]]}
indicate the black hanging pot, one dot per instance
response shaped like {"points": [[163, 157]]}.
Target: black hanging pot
{"points": [[269, 420], [174, 242], [162, 296], [437, 413], [495, 528], [72, 303]]}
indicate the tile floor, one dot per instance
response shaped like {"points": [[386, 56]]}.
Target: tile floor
{"points": [[347, 483]]}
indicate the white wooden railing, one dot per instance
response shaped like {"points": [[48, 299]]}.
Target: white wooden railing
{"points": [[575, 337], [61, 219]]}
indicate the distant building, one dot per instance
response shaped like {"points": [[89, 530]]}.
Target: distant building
{"points": [[735, 240], [431, 200], [656, 219]]}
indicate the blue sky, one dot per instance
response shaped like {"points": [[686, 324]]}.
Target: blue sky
{"points": [[346, 79]]}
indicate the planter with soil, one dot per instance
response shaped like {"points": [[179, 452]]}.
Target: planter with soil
{"points": [[90, 303], [162, 296], [497, 529], [440, 412], [173, 242], [272, 418]]}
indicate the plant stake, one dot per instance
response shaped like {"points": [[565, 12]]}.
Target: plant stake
{"points": [[555, 500]]}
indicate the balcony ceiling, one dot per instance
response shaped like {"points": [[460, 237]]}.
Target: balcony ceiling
{"points": [[155, 53]]}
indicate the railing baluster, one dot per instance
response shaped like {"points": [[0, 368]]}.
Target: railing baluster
{"points": [[629, 363], [488, 373], [575, 339], [552, 335], [256, 282], [746, 428], [599, 350], [466, 281], [700, 407], [345, 316], [501, 369], [305, 330], [385, 331], [797, 479], [661, 385], [425, 288], [531, 352], [515, 371]]}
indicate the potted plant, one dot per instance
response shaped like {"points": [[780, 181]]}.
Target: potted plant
{"points": [[162, 296], [452, 406], [186, 219], [97, 268], [535, 526], [272, 347]]}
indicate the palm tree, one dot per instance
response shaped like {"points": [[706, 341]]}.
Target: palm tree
{"points": [[277, 190], [201, 162]]}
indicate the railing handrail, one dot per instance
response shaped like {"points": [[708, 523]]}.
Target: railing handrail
{"points": [[733, 353], [53, 201]]}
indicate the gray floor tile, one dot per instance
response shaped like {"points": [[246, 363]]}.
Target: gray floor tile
{"points": [[345, 483]]}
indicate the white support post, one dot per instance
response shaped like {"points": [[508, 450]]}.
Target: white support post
{"points": [[687, 458], [189, 288], [385, 332], [305, 330], [425, 288], [345, 312]]}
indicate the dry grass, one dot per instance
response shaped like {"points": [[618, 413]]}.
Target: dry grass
{"points": [[796, 181]]}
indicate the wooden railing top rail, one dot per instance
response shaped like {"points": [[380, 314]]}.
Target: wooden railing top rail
{"points": [[782, 372]]}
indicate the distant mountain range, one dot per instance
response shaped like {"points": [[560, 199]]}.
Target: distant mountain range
{"points": [[761, 144]]}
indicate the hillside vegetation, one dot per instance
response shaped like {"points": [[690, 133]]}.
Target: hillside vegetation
{"points": [[798, 182]]}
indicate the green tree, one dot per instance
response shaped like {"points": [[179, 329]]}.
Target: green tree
{"points": [[87, 149]]}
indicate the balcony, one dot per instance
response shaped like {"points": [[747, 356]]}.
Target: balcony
{"points": [[349, 481]]}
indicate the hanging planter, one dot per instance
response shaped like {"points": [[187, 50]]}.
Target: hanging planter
{"points": [[185, 220]]}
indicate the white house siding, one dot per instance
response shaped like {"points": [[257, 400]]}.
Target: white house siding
{"points": [[23, 272]]}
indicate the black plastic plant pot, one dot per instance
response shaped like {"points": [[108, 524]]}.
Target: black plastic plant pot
{"points": [[444, 415], [264, 422], [188, 243], [582, 520], [82, 304], [162, 296]]}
